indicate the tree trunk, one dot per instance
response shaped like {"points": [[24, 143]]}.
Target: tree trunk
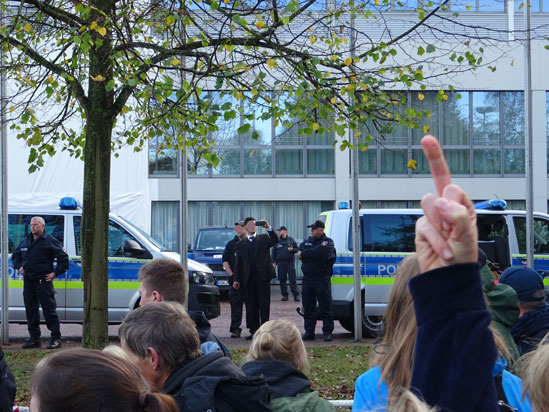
{"points": [[95, 216]]}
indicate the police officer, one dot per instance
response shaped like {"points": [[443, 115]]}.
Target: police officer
{"points": [[317, 254], [283, 257], [235, 297], [34, 258]]}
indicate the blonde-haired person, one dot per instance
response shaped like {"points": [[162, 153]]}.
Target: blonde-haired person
{"points": [[535, 376], [87, 380], [277, 351]]}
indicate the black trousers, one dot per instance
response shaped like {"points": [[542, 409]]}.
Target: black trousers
{"points": [[286, 270], [320, 290], [35, 293], [237, 301], [258, 302]]}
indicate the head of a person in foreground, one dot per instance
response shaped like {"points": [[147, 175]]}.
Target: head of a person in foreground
{"points": [[88, 380], [534, 370], [279, 340], [159, 337]]}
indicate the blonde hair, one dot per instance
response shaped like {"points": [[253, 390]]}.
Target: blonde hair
{"points": [[279, 340], [116, 351], [405, 400], [395, 354], [534, 368]]}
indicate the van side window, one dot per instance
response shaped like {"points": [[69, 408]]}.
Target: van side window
{"points": [[386, 233], [541, 235], [493, 239], [19, 227], [117, 236]]}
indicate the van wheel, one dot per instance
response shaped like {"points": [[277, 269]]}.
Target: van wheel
{"points": [[371, 325]]}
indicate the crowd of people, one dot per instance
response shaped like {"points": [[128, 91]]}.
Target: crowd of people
{"points": [[456, 337]]}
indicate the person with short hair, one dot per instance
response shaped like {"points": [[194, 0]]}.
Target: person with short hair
{"points": [[254, 271], [88, 380], [161, 339], [164, 279], [533, 322], [235, 297], [34, 259], [278, 353], [317, 254], [284, 259]]}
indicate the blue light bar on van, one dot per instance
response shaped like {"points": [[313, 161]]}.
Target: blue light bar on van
{"points": [[343, 205], [493, 204], [68, 203]]}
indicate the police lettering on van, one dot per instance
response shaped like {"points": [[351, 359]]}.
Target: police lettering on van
{"points": [[387, 236], [129, 248]]}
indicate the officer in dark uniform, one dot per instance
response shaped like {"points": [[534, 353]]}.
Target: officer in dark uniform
{"points": [[34, 258], [284, 258], [317, 254], [235, 297]]}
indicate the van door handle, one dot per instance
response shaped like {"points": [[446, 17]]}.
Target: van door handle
{"points": [[77, 261], [522, 259]]}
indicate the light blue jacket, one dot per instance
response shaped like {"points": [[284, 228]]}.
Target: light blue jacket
{"points": [[370, 395]]}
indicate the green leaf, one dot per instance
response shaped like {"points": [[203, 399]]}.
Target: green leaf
{"points": [[431, 48], [245, 128], [420, 51]]}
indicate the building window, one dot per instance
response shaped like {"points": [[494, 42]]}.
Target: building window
{"points": [[267, 149], [165, 223], [482, 134], [162, 161]]}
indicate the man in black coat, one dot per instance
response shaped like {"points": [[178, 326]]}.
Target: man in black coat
{"points": [[34, 258], [235, 298], [317, 254], [284, 258], [254, 271]]}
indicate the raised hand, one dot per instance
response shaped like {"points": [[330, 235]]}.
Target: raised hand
{"points": [[447, 234]]}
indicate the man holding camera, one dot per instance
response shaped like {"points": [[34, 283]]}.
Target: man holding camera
{"points": [[253, 272]]}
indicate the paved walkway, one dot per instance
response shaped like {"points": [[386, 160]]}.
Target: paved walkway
{"points": [[72, 333]]}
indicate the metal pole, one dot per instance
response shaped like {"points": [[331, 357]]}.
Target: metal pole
{"points": [[528, 138], [183, 217], [358, 306], [4, 184]]}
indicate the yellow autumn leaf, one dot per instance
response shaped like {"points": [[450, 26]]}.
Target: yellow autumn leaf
{"points": [[377, 2], [310, 28], [50, 79], [199, 64], [226, 1], [271, 63], [93, 25], [333, 100], [315, 126], [254, 92], [412, 164], [348, 61], [98, 78], [175, 62], [260, 24], [420, 96], [426, 129], [12, 108], [312, 39], [101, 30], [468, 8], [444, 97], [27, 28]]}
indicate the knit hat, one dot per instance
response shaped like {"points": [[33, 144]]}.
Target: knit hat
{"points": [[527, 283]]}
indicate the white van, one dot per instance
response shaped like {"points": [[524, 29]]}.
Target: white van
{"points": [[129, 249], [387, 236]]}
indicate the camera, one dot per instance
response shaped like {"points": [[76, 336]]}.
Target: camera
{"points": [[260, 223]]}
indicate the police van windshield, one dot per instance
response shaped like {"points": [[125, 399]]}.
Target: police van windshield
{"points": [[146, 235], [213, 239]]}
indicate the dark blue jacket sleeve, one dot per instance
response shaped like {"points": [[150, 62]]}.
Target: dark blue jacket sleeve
{"points": [[455, 350]]}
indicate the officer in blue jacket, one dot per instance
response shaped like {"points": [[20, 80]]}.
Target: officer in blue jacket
{"points": [[317, 254], [34, 258]]}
